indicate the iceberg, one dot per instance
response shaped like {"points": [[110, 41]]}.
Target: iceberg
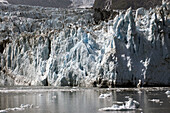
{"points": [[105, 95], [167, 92], [129, 105], [21, 108]]}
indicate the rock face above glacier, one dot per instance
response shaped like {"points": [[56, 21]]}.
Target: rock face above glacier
{"points": [[61, 47], [104, 8], [125, 4]]}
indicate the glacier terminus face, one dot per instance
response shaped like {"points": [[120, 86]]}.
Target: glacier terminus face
{"points": [[65, 47]]}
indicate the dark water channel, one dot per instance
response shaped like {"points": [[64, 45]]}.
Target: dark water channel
{"points": [[67, 100]]}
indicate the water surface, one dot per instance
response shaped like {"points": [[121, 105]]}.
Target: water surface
{"points": [[75, 100]]}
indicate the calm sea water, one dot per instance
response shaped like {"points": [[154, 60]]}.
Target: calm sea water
{"points": [[75, 100]]}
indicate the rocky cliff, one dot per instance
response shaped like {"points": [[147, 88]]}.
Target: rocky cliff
{"points": [[60, 47], [104, 9], [125, 4]]}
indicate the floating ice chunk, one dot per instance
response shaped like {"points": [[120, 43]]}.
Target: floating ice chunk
{"points": [[139, 91], [167, 92], [73, 90], [129, 105], [15, 109], [127, 97], [26, 106], [155, 100], [53, 97], [118, 103], [21, 108], [105, 95], [36, 107], [3, 111], [118, 90], [40, 95], [132, 104], [113, 108]]}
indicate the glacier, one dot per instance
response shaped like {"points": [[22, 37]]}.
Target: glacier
{"points": [[54, 3], [65, 47], [82, 3]]}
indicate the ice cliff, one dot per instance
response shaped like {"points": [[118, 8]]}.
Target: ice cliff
{"points": [[61, 47]]}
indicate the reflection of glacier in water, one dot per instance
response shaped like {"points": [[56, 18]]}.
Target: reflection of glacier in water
{"points": [[79, 100]]}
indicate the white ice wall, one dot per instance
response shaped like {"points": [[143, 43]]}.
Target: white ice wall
{"points": [[49, 46]]}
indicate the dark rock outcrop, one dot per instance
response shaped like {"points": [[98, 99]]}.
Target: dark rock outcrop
{"points": [[103, 15], [124, 4], [103, 9]]}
